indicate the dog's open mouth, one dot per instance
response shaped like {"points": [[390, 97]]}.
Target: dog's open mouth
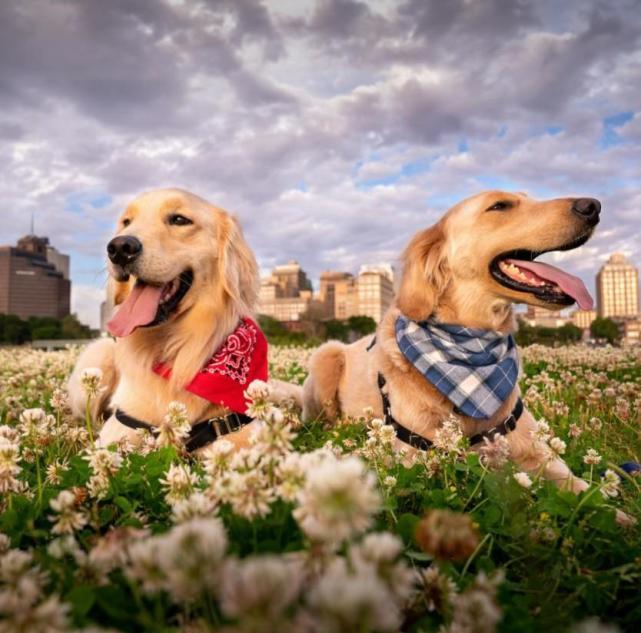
{"points": [[149, 304], [517, 270]]}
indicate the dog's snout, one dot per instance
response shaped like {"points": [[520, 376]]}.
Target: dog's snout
{"points": [[588, 209], [124, 249]]}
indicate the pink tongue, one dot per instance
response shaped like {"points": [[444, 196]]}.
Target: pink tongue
{"points": [[138, 309], [571, 285]]}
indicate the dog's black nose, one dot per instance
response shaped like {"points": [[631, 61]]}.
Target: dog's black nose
{"points": [[588, 209], [124, 249]]}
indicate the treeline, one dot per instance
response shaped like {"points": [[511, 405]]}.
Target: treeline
{"points": [[15, 331], [529, 334], [602, 329], [314, 332]]}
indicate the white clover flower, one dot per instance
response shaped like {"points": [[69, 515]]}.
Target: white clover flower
{"points": [[290, 476], [66, 545], [591, 457], [558, 445], [272, 437], [49, 616], [574, 430], [523, 479], [610, 484], [250, 493], [380, 552], [178, 483], [68, 519], [191, 555], [217, 457], [104, 463], [258, 390], [476, 609], [258, 393], [448, 437], [55, 470], [438, 588], [175, 427], [338, 500], [260, 588], [389, 481], [58, 400], [542, 431], [195, 505], [9, 469], [345, 601], [594, 625], [495, 452], [90, 380], [145, 564]]}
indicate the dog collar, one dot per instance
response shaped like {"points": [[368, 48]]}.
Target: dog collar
{"points": [[422, 443], [201, 434]]}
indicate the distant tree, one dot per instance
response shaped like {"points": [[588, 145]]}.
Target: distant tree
{"points": [[45, 328], [270, 326], [604, 328], [13, 329], [361, 325], [72, 328], [278, 334], [570, 333], [335, 329], [528, 334]]}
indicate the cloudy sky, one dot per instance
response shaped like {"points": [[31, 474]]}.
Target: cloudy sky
{"points": [[333, 128]]}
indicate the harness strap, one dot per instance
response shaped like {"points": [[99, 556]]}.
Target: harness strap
{"points": [[201, 434], [422, 443]]}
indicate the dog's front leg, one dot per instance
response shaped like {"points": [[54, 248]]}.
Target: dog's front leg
{"points": [[99, 354], [536, 457]]}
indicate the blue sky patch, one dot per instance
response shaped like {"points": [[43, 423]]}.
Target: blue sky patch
{"points": [[610, 136]]}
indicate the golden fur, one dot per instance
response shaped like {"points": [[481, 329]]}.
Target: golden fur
{"points": [[446, 274], [225, 288]]}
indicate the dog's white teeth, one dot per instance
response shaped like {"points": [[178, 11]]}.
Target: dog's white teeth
{"points": [[169, 291]]}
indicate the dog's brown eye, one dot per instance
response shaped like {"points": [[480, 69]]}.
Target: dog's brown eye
{"points": [[175, 219], [501, 205], [126, 222]]}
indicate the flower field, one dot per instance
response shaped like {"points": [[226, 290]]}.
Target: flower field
{"points": [[320, 529]]}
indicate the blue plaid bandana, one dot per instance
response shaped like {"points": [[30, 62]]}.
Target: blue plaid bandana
{"points": [[476, 370]]}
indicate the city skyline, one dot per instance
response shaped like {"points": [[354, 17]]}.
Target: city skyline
{"points": [[335, 129]]}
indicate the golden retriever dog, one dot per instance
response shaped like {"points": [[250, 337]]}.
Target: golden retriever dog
{"points": [[182, 279], [468, 270]]}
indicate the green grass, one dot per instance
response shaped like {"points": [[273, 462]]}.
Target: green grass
{"points": [[564, 557]]}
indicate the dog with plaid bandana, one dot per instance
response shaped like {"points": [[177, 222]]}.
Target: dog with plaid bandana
{"points": [[445, 346]]}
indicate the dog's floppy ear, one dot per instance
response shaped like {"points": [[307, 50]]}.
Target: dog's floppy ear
{"points": [[237, 268], [425, 274]]}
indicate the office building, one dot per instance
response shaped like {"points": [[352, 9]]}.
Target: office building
{"points": [[286, 295], [375, 290], [583, 318], [537, 316], [617, 286], [34, 279]]}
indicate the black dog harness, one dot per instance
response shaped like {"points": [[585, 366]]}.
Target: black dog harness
{"points": [[201, 434], [422, 443]]}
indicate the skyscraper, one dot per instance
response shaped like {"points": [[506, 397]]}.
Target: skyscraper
{"points": [[286, 295], [375, 290], [34, 279], [617, 287]]}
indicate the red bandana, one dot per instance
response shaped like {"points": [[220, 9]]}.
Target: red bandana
{"points": [[241, 359]]}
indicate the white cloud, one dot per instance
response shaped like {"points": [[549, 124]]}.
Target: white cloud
{"points": [[85, 303], [282, 112]]}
